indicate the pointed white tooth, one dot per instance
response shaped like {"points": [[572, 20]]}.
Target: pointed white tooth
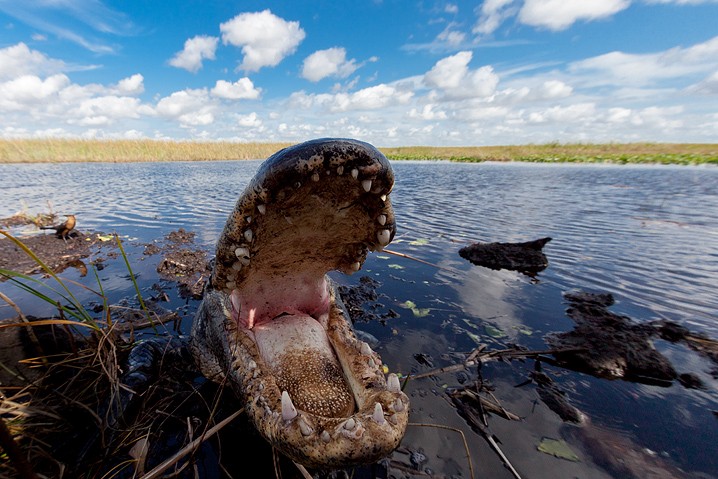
{"points": [[236, 266], [251, 364], [365, 349], [350, 424], [340, 170], [355, 173], [371, 363], [289, 412], [383, 197], [366, 184], [325, 436], [245, 261], [378, 415], [398, 405], [356, 265], [315, 176], [242, 252], [383, 236], [248, 219], [262, 209], [230, 284], [381, 219], [248, 235], [304, 427], [392, 383]]}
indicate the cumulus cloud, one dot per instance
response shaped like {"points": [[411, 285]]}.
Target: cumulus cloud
{"points": [[249, 121], [242, 89], [265, 38], [133, 85], [191, 107], [29, 90], [196, 49], [19, 59], [371, 98], [453, 77], [331, 62], [561, 14]]}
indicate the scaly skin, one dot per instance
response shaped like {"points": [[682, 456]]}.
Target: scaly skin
{"points": [[271, 322]]}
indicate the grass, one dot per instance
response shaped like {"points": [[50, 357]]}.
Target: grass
{"points": [[67, 150]]}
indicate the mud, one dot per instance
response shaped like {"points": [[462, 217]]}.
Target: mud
{"points": [[527, 258]]}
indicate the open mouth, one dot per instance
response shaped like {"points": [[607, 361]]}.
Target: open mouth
{"points": [[313, 390]]}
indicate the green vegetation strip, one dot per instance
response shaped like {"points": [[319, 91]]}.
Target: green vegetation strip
{"points": [[66, 150]]}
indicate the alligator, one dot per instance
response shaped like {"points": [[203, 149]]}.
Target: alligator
{"points": [[271, 323]]}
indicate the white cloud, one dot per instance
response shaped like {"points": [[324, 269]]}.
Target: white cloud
{"points": [[427, 113], [19, 59], [265, 38], [492, 14], [707, 86], [331, 62], [625, 69], [106, 109], [451, 8], [564, 114], [29, 90], [249, 121], [196, 49], [133, 85], [451, 37], [191, 107], [371, 98], [242, 89], [561, 14], [453, 77]]}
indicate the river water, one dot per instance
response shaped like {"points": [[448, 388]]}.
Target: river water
{"points": [[646, 234]]}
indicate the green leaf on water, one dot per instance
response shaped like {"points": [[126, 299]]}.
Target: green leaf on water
{"points": [[418, 312], [557, 448], [382, 256], [474, 337], [419, 242], [525, 330], [494, 332], [396, 266]]}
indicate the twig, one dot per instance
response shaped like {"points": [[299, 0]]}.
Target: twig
{"points": [[463, 438], [189, 448], [402, 255]]}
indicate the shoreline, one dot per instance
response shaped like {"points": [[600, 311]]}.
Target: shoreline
{"points": [[133, 151]]}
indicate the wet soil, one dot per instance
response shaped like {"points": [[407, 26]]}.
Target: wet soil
{"points": [[527, 258], [182, 261]]}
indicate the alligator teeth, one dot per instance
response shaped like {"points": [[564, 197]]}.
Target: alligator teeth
{"points": [[381, 219], [366, 184], [230, 284], [315, 177], [248, 219], [384, 237], [248, 235], [392, 383], [289, 412], [355, 173], [325, 436], [340, 170], [262, 209], [378, 415], [242, 252], [236, 266], [350, 424], [383, 197], [398, 405], [355, 266], [365, 349], [304, 427]]}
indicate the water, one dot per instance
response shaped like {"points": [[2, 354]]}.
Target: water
{"points": [[647, 234]]}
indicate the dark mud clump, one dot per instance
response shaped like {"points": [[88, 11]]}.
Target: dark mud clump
{"points": [[362, 302], [58, 254], [182, 262], [609, 345], [527, 258]]}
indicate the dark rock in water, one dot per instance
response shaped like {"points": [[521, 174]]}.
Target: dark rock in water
{"points": [[691, 381], [608, 345], [527, 258]]}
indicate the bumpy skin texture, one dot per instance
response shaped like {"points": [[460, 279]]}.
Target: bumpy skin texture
{"points": [[318, 206]]}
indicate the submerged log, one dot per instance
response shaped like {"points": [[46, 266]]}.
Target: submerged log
{"points": [[527, 258]]}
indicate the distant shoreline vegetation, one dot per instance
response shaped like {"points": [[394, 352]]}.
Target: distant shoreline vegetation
{"points": [[118, 151]]}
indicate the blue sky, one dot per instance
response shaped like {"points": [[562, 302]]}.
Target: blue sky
{"points": [[388, 72]]}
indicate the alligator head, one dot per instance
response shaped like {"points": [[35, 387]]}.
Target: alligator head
{"points": [[272, 325]]}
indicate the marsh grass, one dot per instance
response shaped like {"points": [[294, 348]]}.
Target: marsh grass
{"points": [[52, 404], [69, 150]]}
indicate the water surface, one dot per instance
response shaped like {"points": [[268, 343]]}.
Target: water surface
{"points": [[646, 234]]}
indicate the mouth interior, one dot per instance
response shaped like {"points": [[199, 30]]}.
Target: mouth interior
{"points": [[280, 293]]}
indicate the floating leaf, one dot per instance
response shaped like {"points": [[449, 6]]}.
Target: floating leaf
{"points": [[474, 337], [418, 312], [382, 256], [469, 323], [525, 330], [557, 448], [419, 242], [396, 266], [105, 237], [385, 368], [408, 304], [494, 332]]}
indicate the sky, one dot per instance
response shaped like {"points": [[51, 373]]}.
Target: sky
{"points": [[390, 72]]}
